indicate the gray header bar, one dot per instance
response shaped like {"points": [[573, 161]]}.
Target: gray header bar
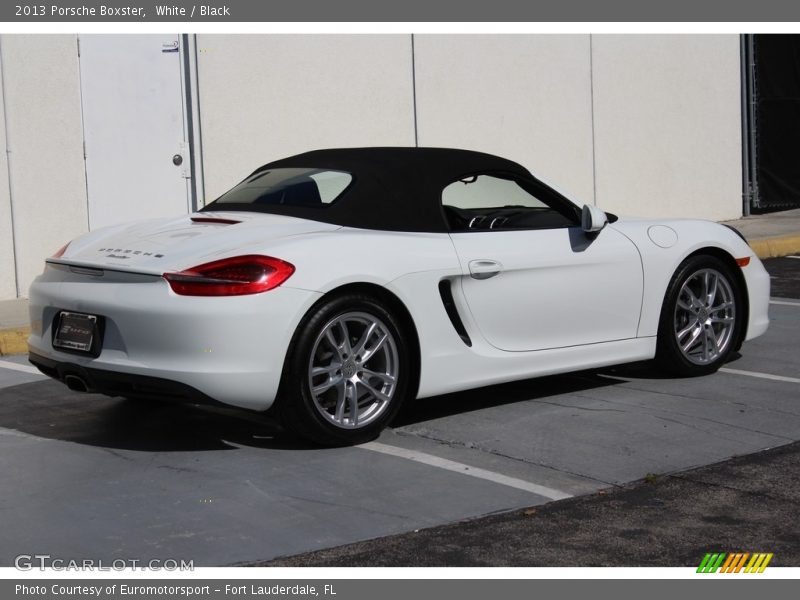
{"points": [[42, 11]]}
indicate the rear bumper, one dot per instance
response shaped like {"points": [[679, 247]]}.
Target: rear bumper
{"points": [[126, 385], [156, 343]]}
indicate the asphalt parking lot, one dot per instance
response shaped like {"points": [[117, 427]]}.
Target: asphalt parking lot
{"points": [[93, 477]]}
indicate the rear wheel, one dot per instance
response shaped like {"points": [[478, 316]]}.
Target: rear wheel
{"points": [[700, 318], [348, 372]]}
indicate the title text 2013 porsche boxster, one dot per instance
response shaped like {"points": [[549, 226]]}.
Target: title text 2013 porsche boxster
{"points": [[335, 285]]}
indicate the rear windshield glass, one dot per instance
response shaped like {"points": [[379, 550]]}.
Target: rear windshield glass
{"points": [[289, 187]]}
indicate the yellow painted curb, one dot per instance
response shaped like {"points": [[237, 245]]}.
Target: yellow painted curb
{"points": [[14, 341], [776, 246]]}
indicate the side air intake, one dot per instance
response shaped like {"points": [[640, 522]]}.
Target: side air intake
{"points": [[446, 292]]}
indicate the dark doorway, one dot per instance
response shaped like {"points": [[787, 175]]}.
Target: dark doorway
{"points": [[772, 121]]}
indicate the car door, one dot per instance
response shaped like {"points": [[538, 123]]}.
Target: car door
{"points": [[531, 277]]}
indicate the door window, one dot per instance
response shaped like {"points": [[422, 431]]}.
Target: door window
{"points": [[490, 202]]}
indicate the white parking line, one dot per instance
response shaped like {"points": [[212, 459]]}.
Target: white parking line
{"points": [[784, 303], [449, 465], [760, 375], [4, 364]]}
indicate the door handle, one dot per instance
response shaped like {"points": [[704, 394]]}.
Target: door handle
{"points": [[484, 269]]}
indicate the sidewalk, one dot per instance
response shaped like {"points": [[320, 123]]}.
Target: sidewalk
{"points": [[776, 234], [770, 235]]}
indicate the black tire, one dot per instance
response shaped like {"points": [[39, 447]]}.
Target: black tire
{"points": [[307, 414], [676, 318]]}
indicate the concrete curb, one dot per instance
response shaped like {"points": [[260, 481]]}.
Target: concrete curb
{"points": [[14, 341], [774, 247]]}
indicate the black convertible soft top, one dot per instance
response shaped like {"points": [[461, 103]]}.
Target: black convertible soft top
{"points": [[393, 188]]}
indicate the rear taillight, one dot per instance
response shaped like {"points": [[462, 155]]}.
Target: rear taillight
{"points": [[60, 252], [235, 276]]}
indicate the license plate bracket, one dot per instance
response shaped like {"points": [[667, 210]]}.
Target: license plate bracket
{"points": [[79, 333]]}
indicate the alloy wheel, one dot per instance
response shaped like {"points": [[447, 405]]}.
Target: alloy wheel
{"points": [[705, 316], [353, 370]]}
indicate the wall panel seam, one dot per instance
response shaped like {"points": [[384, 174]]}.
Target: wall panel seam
{"points": [[8, 167]]}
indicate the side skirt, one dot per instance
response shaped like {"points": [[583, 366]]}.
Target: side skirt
{"points": [[449, 373]]}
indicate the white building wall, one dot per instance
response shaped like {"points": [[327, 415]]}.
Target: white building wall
{"points": [[646, 125], [667, 125], [267, 97], [45, 140], [523, 97]]}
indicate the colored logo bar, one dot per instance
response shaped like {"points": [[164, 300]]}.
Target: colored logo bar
{"points": [[734, 562]]}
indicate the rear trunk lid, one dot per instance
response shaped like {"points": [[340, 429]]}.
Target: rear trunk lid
{"points": [[173, 244]]}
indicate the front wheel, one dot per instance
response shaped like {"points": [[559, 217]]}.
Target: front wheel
{"points": [[701, 317], [347, 374]]}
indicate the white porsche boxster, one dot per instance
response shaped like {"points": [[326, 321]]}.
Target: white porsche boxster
{"points": [[335, 285]]}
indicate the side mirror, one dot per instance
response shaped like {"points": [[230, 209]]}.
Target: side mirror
{"points": [[593, 219]]}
